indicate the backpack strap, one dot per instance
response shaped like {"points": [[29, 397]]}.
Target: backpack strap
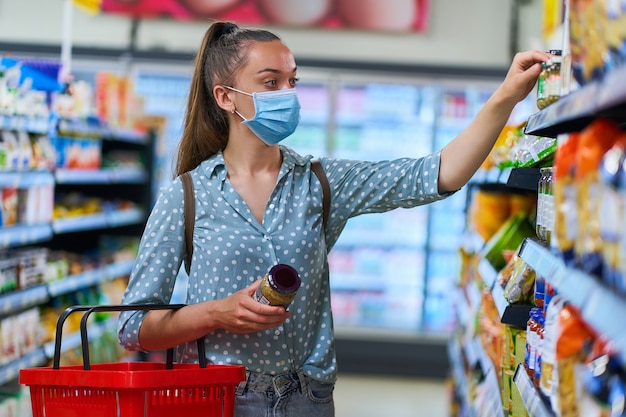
{"points": [[317, 169], [190, 216]]}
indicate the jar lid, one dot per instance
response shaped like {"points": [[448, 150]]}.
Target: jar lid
{"points": [[284, 278]]}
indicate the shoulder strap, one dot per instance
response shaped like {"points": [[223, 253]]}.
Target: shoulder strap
{"points": [[316, 166], [190, 215]]}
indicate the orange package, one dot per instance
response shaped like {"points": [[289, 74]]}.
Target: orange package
{"points": [[565, 217], [573, 338], [595, 141]]}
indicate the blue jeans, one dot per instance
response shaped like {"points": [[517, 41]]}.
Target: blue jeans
{"points": [[284, 395]]}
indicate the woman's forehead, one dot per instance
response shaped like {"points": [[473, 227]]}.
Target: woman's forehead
{"points": [[270, 56]]}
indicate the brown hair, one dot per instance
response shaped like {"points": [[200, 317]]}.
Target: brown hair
{"points": [[222, 52]]}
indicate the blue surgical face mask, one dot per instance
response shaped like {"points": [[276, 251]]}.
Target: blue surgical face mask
{"points": [[277, 114]]}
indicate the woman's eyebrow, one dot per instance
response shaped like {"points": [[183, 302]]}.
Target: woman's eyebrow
{"points": [[274, 70]]}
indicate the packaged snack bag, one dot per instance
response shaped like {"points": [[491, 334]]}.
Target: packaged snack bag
{"points": [[565, 218], [573, 337], [611, 212], [519, 288], [595, 141], [551, 332]]}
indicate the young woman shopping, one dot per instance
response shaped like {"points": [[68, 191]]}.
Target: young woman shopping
{"points": [[259, 204]]}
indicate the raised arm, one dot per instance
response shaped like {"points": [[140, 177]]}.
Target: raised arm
{"points": [[463, 156]]}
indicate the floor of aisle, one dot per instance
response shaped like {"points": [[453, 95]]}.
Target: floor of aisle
{"points": [[376, 396]]}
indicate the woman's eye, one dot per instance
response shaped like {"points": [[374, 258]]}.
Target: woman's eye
{"points": [[270, 83], [294, 81]]}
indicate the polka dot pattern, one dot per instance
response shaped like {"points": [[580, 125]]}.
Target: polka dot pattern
{"points": [[232, 250]]}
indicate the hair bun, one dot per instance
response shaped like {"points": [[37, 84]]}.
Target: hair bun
{"points": [[228, 28]]}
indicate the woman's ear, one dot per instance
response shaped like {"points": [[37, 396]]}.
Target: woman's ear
{"points": [[223, 99]]}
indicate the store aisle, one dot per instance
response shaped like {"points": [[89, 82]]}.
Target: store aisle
{"points": [[380, 396]]}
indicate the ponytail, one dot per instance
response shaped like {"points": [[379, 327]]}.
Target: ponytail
{"points": [[222, 52]]}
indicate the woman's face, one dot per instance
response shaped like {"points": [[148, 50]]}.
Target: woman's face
{"points": [[271, 66]]}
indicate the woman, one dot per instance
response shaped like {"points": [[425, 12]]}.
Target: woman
{"points": [[258, 204]]}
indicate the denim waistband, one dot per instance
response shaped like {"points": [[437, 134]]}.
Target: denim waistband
{"points": [[281, 383]]}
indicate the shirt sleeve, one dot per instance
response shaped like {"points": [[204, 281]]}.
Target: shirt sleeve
{"points": [[161, 252], [360, 187]]}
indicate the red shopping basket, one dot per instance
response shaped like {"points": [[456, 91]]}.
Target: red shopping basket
{"points": [[130, 389]]}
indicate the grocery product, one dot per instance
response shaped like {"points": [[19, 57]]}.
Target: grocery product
{"points": [[554, 77], [565, 216], [490, 210], [611, 214], [549, 81], [541, 86], [530, 151], [597, 38], [279, 286], [573, 335], [595, 141], [509, 237], [519, 288], [544, 221]]}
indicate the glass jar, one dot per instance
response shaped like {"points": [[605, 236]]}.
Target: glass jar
{"points": [[553, 90], [279, 286], [541, 86]]}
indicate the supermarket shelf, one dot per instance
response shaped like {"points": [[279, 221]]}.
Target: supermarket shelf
{"points": [[523, 178], [31, 297], [80, 223], [30, 124], [115, 218], [79, 126], [510, 314], [128, 175], [477, 360], [488, 273], [88, 278], [520, 178], [489, 176], [125, 217], [573, 112], [73, 340], [476, 354], [16, 301], [536, 404], [119, 268], [461, 383], [100, 176], [42, 355], [25, 179], [11, 370], [598, 305], [24, 235], [126, 135]]}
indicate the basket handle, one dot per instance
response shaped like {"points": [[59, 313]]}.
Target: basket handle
{"points": [[109, 308]]}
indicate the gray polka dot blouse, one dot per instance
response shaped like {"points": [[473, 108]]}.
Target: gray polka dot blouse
{"points": [[232, 250]]}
